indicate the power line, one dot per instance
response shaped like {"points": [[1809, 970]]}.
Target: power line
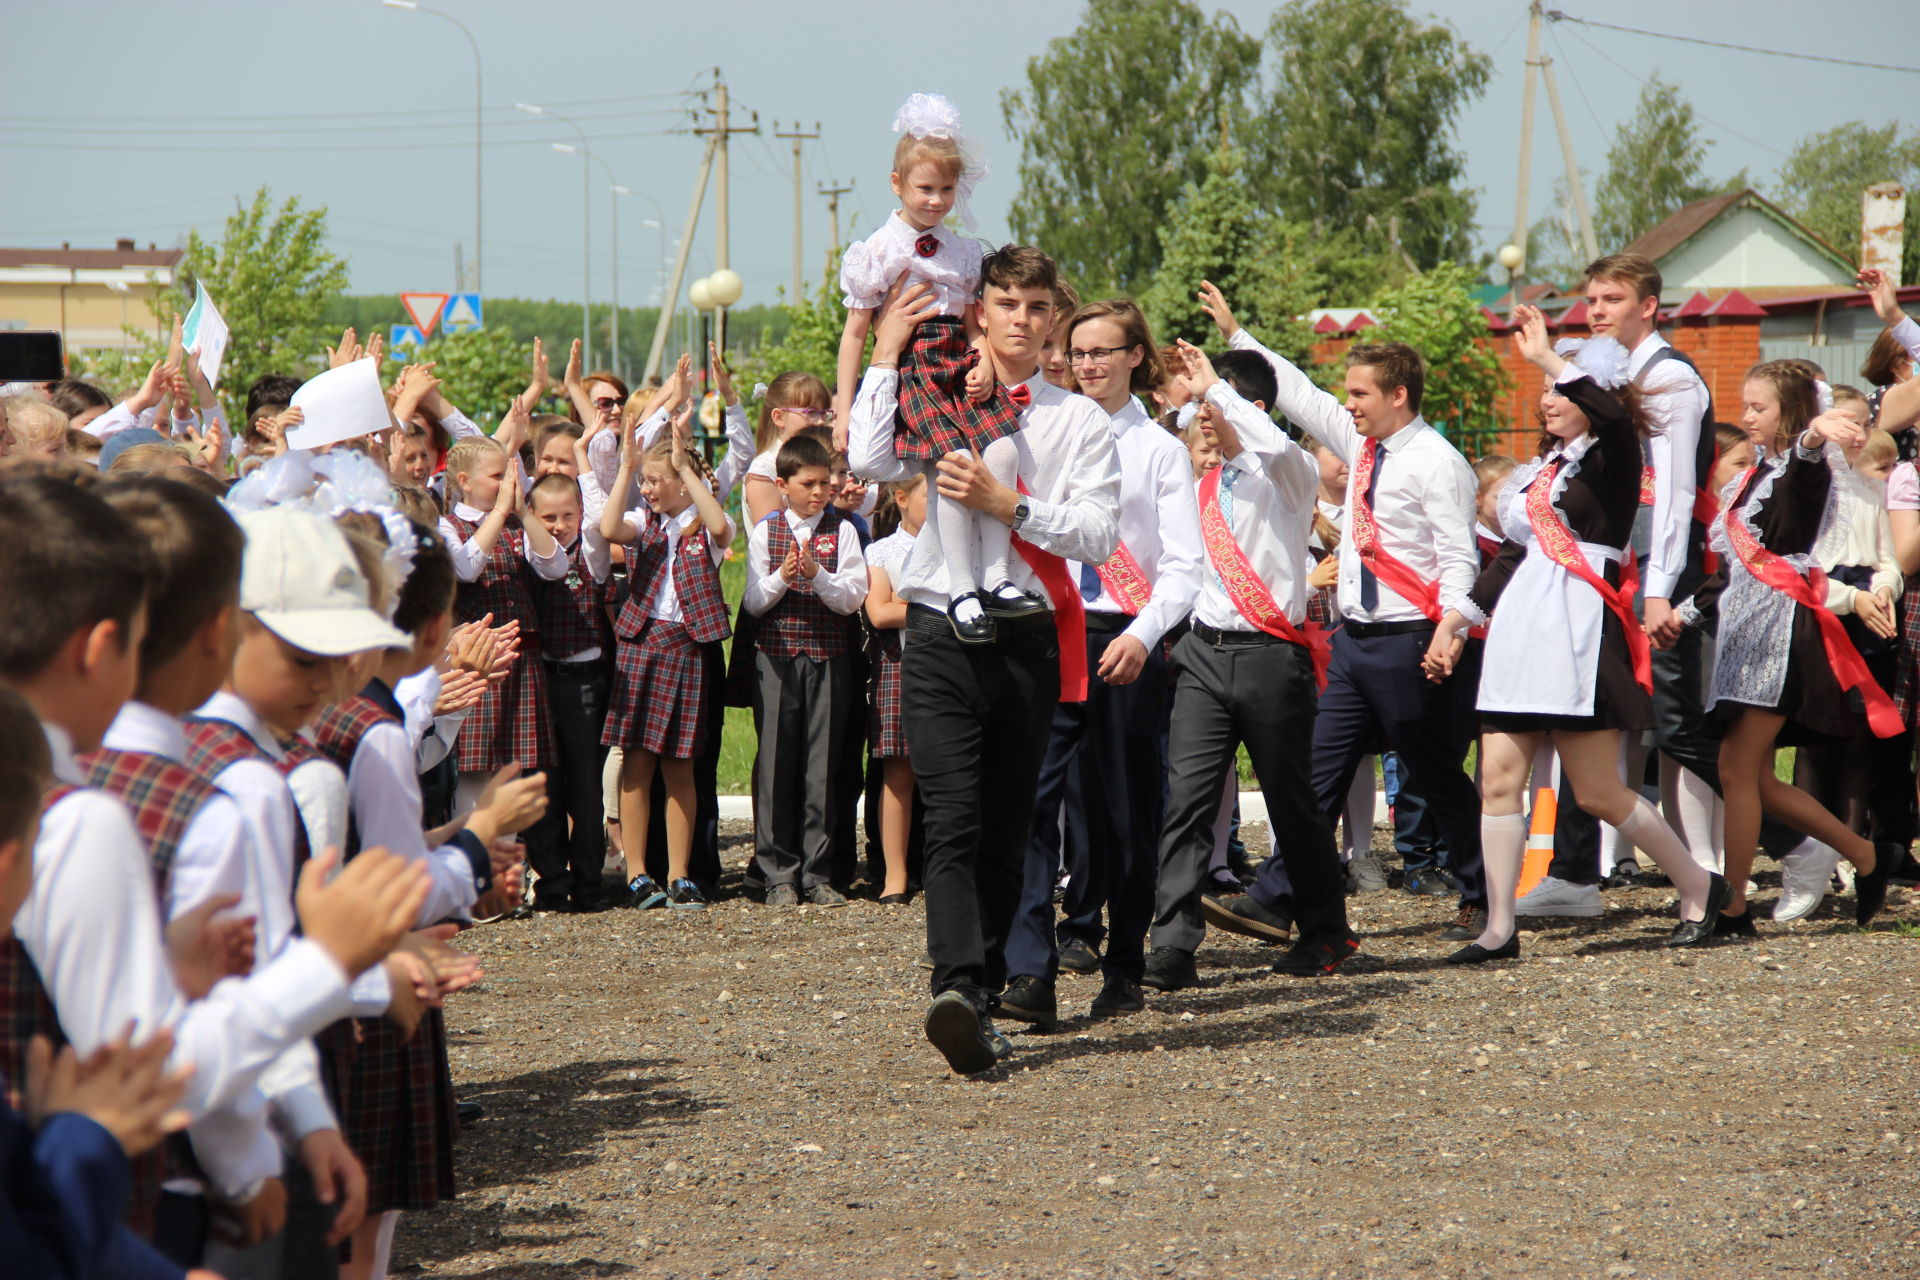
{"points": [[376, 146], [1764, 146], [405, 112], [1557, 15], [390, 125]]}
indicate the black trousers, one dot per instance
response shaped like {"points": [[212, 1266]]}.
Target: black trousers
{"points": [[1116, 739], [850, 772], [1376, 691], [1260, 694], [976, 718], [569, 865]]}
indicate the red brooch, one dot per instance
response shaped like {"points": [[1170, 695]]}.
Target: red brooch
{"points": [[927, 245]]}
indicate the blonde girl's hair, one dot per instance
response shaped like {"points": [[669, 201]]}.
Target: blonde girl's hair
{"points": [[661, 451], [466, 452], [1880, 447], [945, 152], [1793, 388], [35, 421], [790, 390]]}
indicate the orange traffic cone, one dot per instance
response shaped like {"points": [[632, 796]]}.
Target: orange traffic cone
{"points": [[1546, 807]]}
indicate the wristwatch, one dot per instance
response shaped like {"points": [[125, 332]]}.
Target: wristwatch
{"points": [[1020, 513]]}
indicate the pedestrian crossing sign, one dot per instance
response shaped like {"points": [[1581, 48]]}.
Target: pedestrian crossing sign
{"points": [[462, 313]]}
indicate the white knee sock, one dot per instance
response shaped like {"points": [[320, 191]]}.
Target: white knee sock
{"points": [[959, 539], [1647, 829], [1503, 848], [996, 540], [1693, 812]]}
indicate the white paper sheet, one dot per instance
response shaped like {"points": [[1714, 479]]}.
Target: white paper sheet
{"points": [[206, 329], [340, 404]]}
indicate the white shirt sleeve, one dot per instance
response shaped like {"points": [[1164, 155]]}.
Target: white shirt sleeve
{"points": [[740, 453], [1673, 447], [870, 429], [115, 420], [765, 585], [293, 1086], [235, 1148], [1451, 497], [1086, 525], [468, 562], [213, 859], [845, 589], [385, 788], [1177, 576], [603, 456], [1301, 401], [92, 928], [552, 566], [459, 426]]}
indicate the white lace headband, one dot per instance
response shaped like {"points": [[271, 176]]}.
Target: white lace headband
{"points": [[1603, 359]]}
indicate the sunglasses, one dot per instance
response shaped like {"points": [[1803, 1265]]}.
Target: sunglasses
{"points": [[609, 404]]}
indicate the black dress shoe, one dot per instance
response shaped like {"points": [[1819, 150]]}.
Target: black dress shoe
{"points": [[978, 628], [1870, 887], [1010, 601], [1474, 953], [1169, 969], [1078, 956], [522, 912], [1118, 995], [956, 1028], [1740, 926], [1471, 923], [1625, 875], [895, 899], [1691, 933], [1246, 917], [1314, 957], [470, 1112], [1029, 999]]}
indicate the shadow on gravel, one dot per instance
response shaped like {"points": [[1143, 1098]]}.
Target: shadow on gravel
{"points": [[539, 1125]]}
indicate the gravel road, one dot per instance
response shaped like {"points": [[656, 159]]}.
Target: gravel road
{"points": [[744, 1092]]}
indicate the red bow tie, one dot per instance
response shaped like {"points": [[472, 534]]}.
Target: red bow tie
{"points": [[1019, 394]]}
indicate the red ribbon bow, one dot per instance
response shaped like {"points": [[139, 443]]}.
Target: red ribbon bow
{"points": [[1020, 395], [927, 245]]}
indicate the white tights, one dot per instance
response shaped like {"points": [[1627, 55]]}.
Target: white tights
{"points": [[978, 548]]}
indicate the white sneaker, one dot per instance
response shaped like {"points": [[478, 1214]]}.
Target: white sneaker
{"points": [[1804, 881], [1556, 897], [1365, 874]]}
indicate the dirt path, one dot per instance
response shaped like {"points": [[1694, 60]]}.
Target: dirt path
{"points": [[741, 1092]]}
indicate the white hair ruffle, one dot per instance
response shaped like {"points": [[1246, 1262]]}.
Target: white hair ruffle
{"points": [[329, 485], [1602, 358], [1823, 396], [931, 115]]}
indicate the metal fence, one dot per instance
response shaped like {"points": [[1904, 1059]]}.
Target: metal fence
{"points": [[1841, 360]]}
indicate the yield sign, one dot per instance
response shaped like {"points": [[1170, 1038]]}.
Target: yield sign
{"points": [[425, 309]]}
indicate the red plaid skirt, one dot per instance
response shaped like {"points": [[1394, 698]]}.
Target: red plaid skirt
{"points": [[397, 1112], [936, 417], [659, 701], [512, 722], [887, 733], [1906, 680]]}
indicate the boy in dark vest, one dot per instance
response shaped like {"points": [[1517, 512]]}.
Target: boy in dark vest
{"points": [[806, 579]]}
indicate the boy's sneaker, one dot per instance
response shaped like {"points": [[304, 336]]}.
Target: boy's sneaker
{"points": [[1030, 999], [1366, 874], [685, 893], [1312, 957], [966, 1039], [783, 895], [644, 892], [1561, 899], [825, 895]]}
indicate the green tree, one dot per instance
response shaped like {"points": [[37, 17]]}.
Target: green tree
{"points": [[1356, 132], [809, 340], [1435, 314], [480, 371], [1821, 181], [1115, 121], [1217, 232], [1657, 164]]}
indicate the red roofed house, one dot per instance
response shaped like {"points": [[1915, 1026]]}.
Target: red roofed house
{"points": [[88, 295]]}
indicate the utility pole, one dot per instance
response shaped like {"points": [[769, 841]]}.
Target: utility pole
{"points": [[799, 249], [833, 195], [1574, 184], [721, 130], [672, 296]]}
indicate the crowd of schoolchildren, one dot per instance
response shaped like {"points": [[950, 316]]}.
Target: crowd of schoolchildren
{"points": [[276, 723]]}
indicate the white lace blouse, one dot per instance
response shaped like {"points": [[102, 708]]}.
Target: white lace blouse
{"points": [[872, 265]]}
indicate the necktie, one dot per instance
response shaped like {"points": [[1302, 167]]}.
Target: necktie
{"points": [[1370, 585], [1089, 583]]}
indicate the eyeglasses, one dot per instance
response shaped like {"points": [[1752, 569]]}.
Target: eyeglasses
{"points": [[1095, 355], [609, 404], [811, 415]]}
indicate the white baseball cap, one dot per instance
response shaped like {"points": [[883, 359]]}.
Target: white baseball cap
{"points": [[301, 580]]}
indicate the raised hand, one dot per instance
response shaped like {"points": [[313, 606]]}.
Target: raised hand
{"points": [[347, 351], [158, 379], [1214, 303], [176, 344], [1838, 428], [542, 380], [573, 372], [415, 383], [1530, 340], [1886, 298], [377, 348], [722, 376]]}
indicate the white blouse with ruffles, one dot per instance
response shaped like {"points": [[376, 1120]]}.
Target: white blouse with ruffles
{"points": [[872, 265]]}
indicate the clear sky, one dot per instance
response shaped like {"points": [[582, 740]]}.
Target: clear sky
{"points": [[116, 121]]}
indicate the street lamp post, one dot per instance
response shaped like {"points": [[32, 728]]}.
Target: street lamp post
{"points": [[614, 192], [586, 225], [478, 96]]}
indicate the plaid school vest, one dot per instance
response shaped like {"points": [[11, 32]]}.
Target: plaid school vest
{"points": [[573, 617], [161, 796], [337, 734], [696, 583], [215, 745], [801, 624], [501, 588]]}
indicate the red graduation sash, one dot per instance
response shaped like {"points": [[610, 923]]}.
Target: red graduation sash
{"points": [[1125, 581], [1811, 593], [1550, 532], [1248, 593], [1383, 564], [1069, 613]]}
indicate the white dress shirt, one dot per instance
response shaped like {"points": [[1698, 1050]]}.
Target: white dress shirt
{"points": [[666, 601], [93, 929], [1267, 494], [603, 451], [383, 787], [1675, 400], [843, 590], [1159, 523], [469, 561], [1067, 462], [1423, 498]]}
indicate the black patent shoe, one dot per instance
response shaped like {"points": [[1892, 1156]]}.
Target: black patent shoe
{"points": [[1012, 601], [1691, 933], [1870, 887], [1474, 953], [978, 628], [1740, 926]]}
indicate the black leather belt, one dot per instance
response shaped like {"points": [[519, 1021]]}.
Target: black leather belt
{"points": [[1368, 630], [1223, 639]]}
